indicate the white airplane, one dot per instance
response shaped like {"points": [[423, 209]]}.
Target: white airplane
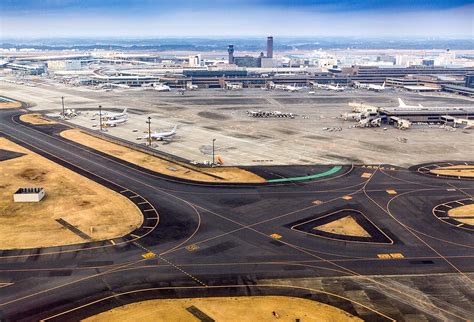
{"points": [[370, 87], [376, 87], [330, 87], [293, 88], [191, 87], [160, 136], [336, 88], [233, 86], [161, 87], [113, 115], [114, 122], [402, 104], [289, 88]]}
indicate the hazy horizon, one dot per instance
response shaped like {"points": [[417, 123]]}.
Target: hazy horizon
{"points": [[233, 18]]}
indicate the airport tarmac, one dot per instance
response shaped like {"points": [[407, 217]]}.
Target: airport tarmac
{"points": [[230, 240], [207, 114]]}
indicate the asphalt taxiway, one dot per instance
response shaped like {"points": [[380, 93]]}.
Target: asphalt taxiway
{"points": [[202, 239]]}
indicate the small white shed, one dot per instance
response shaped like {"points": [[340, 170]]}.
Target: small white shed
{"points": [[29, 195]]}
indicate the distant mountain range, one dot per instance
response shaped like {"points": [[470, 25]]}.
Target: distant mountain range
{"points": [[240, 44]]}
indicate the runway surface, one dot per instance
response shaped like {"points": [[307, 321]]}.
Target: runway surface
{"points": [[221, 240]]}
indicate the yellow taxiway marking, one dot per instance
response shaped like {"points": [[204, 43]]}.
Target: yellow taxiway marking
{"points": [[275, 236], [134, 236], [384, 256], [391, 256], [397, 255], [148, 255], [391, 192], [149, 210], [192, 248], [317, 202], [112, 242], [347, 197], [142, 203], [366, 175]]}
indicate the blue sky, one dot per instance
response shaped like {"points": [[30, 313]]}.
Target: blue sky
{"points": [[162, 18]]}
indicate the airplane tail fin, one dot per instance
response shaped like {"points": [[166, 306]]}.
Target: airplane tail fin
{"points": [[383, 85], [124, 110], [174, 128], [401, 103]]}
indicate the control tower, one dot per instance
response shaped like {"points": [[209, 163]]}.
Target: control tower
{"points": [[230, 50]]}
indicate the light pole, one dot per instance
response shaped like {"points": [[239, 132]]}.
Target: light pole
{"points": [[100, 117], [213, 150], [149, 130], [62, 102]]}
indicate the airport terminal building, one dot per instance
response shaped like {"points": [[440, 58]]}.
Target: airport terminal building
{"points": [[428, 114]]}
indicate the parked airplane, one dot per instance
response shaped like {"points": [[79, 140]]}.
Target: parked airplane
{"points": [[160, 136], [289, 88], [233, 86], [113, 115], [191, 87], [370, 87], [161, 87], [330, 87], [376, 87], [114, 122], [402, 104]]}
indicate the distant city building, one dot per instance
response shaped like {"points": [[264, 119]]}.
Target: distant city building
{"points": [[270, 47], [428, 62], [195, 60], [266, 62], [64, 64], [27, 68], [247, 61], [214, 73]]}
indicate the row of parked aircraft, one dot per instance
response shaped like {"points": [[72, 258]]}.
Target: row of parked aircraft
{"points": [[113, 119], [329, 87]]}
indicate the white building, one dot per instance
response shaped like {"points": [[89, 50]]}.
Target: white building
{"points": [[29, 195], [64, 65], [195, 60]]}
